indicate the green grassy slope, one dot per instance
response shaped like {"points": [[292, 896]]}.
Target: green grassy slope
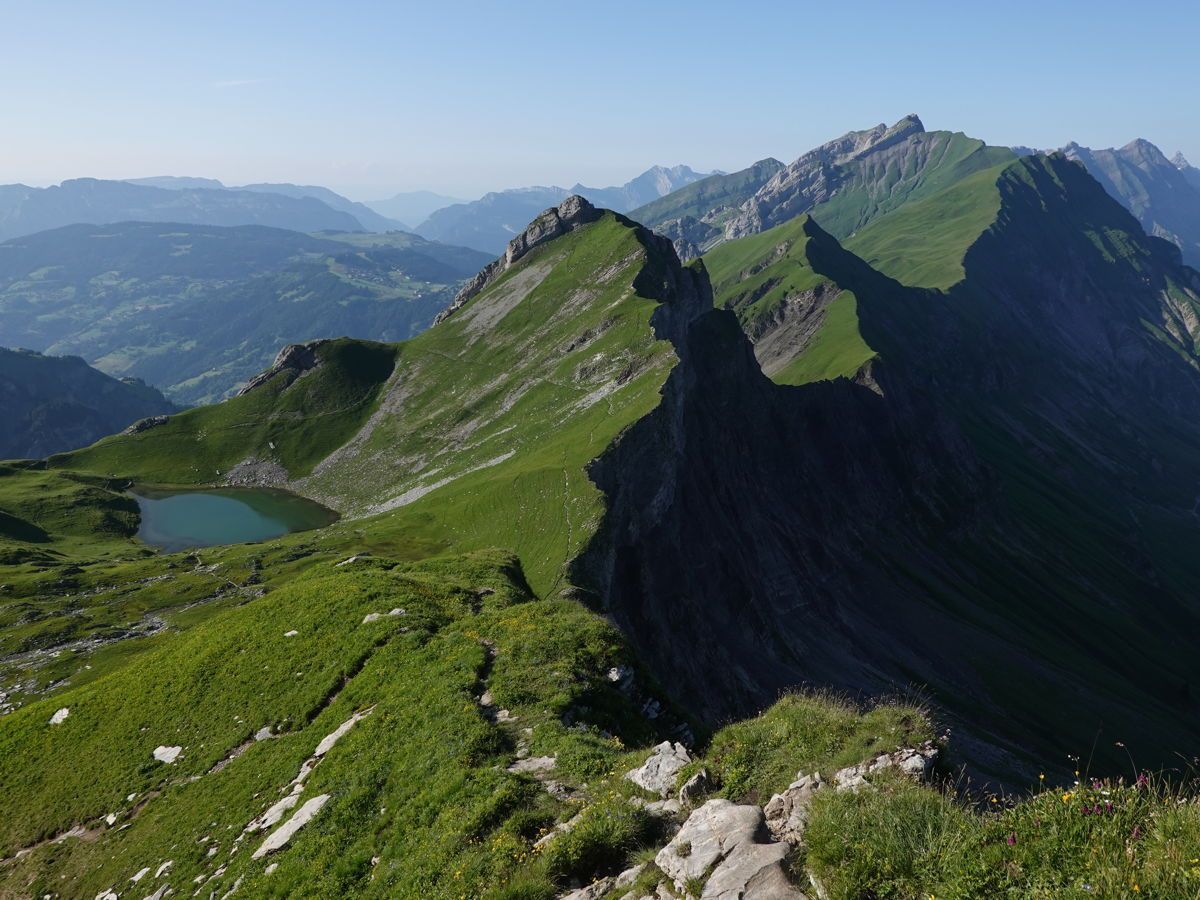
{"points": [[296, 424], [758, 276], [878, 184], [923, 242], [495, 413]]}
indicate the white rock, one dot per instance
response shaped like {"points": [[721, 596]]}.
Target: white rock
{"points": [[271, 868], [111, 819], [722, 838], [264, 733], [338, 733], [164, 868], [657, 773], [167, 755], [279, 838], [61, 716], [371, 617], [291, 633], [108, 895], [162, 892], [272, 816], [141, 873], [397, 612]]}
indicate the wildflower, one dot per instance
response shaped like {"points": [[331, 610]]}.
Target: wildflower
{"points": [[1011, 840], [1136, 833], [1137, 888], [1143, 780], [1067, 797], [1042, 776]]}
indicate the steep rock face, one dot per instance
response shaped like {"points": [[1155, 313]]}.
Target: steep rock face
{"points": [[693, 216], [967, 499], [814, 177]]}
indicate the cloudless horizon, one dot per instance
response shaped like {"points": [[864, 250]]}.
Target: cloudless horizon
{"points": [[468, 97]]}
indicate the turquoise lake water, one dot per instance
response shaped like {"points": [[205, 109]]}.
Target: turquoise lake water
{"points": [[180, 520]]}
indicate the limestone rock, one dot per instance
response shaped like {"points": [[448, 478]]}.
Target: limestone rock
{"points": [[167, 755], [728, 843], [787, 813], [61, 716], [915, 762], [657, 774], [294, 360], [572, 213], [694, 788], [279, 839]]}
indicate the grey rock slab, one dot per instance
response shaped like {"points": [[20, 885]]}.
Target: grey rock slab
{"points": [[280, 838], [729, 841], [787, 813], [657, 774]]}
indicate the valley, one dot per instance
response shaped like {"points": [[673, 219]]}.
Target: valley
{"points": [[823, 529]]}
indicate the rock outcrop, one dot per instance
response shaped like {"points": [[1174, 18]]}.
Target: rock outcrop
{"points": [[574, 212], [726, 847], [816, 176], [658, 773], [293, 360]]}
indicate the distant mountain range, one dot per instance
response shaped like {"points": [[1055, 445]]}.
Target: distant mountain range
{"points": [[412, 206], [368, 218], [489, 223], [28, 210], [198, 309], [57, 403]]}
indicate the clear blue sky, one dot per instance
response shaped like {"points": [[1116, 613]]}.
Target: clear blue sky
{"points": [[464, 97]]}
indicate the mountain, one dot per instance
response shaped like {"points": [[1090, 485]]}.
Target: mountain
{"points": [[488, 224], [26, 210], [845, 184], [1163, 195], [197, 310], [1190, 172], [691, 214], [982, 494], [368, 218], [412, 206], [57, 403]]}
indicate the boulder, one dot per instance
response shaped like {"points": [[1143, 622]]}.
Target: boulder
{"points": [[787, 813], [726, 845], [657, 774], [60, 716], [167, 755]]}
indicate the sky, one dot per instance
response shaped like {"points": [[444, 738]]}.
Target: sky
{"points": [[465, 97]]}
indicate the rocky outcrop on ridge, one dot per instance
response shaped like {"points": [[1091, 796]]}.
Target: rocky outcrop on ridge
{"points": [[574, 212], [816, 176], [294, 360]]}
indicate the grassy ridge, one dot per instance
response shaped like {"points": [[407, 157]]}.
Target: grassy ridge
{"points": [[758, 276], [295, 424]]}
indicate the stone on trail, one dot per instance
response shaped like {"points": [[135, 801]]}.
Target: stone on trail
{"points": [[726, 845], [279, 838], [167, 755], [657, 774]]}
